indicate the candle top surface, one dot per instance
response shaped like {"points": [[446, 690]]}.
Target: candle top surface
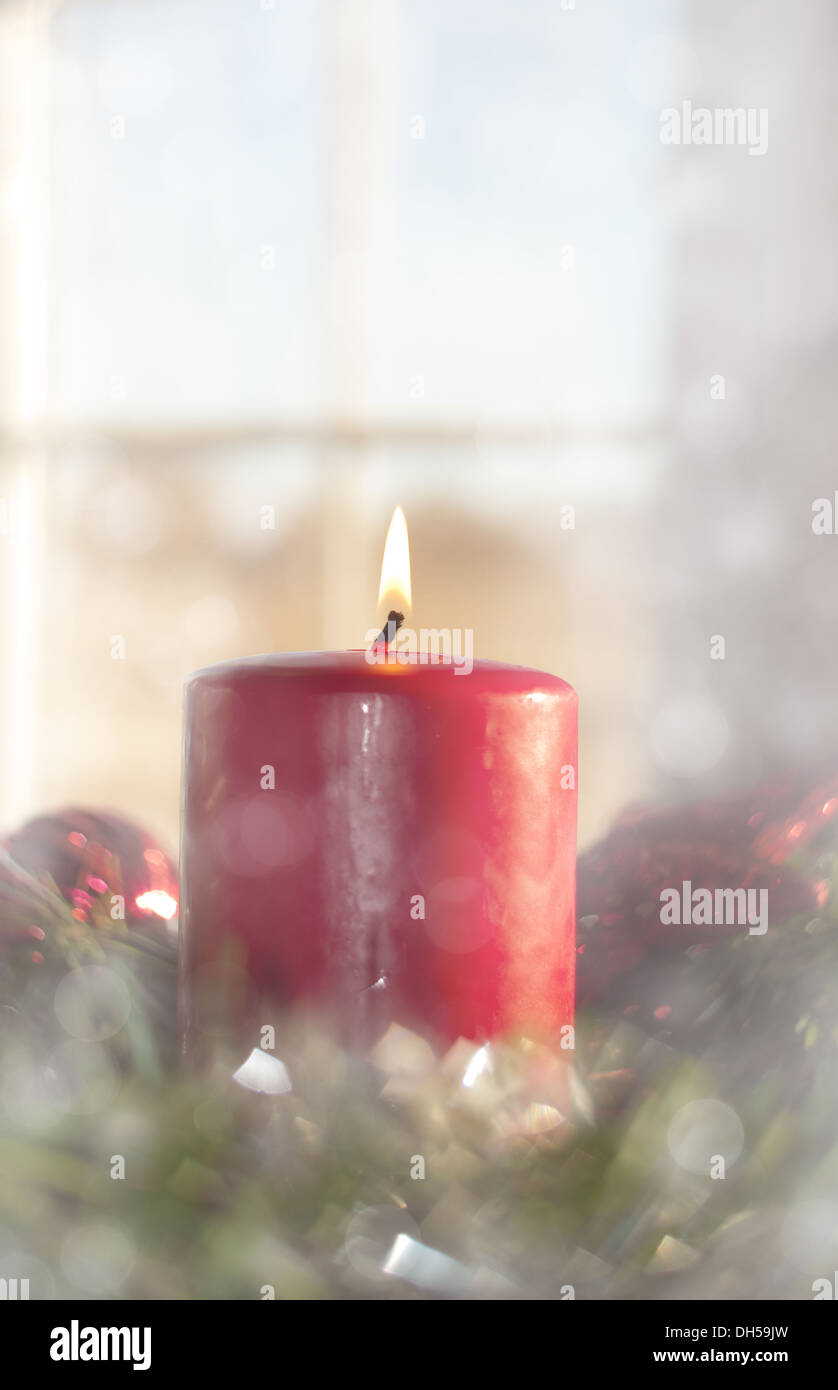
{"points": [[351, 670]]}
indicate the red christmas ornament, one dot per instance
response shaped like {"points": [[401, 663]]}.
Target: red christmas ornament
{"points": [[105, 866], [746, 840]]}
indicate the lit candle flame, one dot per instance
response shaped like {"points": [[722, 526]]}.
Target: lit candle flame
{"points": [[395, 566]]}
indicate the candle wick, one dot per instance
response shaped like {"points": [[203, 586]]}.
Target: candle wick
{"points": [[389, 630]]}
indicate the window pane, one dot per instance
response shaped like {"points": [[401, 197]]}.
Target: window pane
{"points": [[186, 167]]}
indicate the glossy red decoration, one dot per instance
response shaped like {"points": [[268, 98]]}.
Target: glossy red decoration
{"points": [[95, 858]]}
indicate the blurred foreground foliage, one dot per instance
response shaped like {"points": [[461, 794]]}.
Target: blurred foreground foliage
{"points": [[723, 1048]]}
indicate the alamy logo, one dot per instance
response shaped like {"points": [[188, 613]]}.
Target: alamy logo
{"points": [[722, 907], [441, 646], [723, 125], [14, 1289], [75, 1343], [825, 515]]}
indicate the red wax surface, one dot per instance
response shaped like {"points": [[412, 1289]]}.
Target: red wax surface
{"points": [[400, 790]]}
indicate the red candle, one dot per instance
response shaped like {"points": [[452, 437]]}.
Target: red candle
{"points": [[382, 842]]}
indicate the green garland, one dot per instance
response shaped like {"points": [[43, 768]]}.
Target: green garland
{"points": [[231, 1194]]}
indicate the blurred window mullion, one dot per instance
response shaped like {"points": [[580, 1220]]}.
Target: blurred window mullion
{"points": [[24, 266]]}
